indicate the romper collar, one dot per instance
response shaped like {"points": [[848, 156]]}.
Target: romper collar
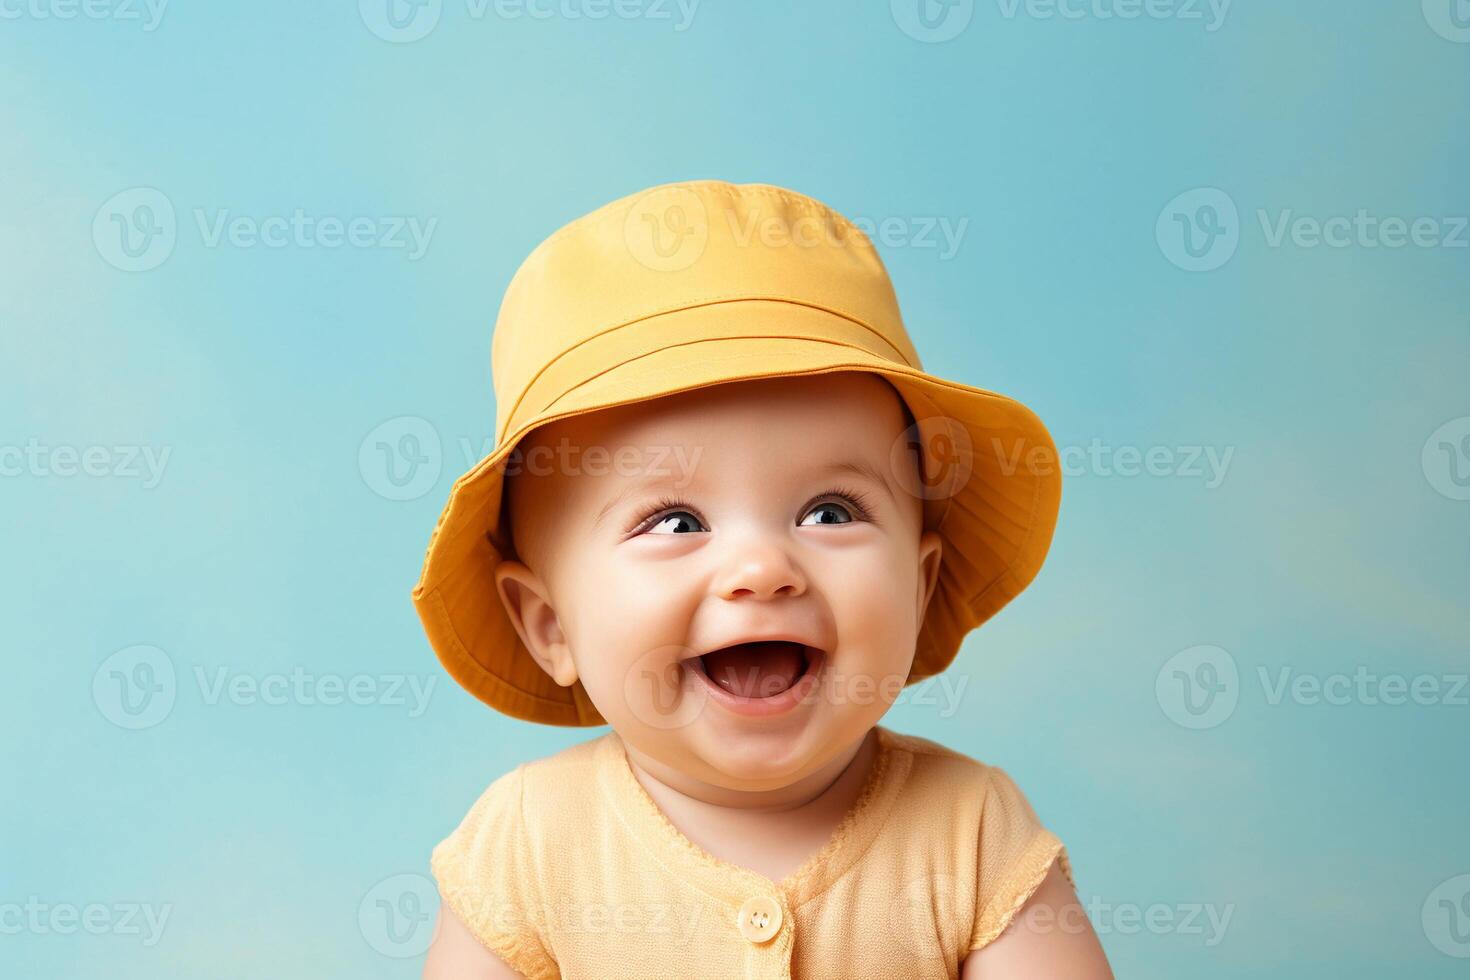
{"points": [[730, 884]]}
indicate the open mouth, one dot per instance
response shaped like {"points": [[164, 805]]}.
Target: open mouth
{"points": [[761, 670]]}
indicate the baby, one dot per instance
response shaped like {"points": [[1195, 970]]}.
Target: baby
{"points": [[730, 516]]}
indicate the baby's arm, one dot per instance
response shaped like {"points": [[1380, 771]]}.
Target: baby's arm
{"points": [[1049, 937], [456, 954]]}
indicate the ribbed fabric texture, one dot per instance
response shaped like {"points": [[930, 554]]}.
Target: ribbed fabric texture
{"points": [[565, 867]]}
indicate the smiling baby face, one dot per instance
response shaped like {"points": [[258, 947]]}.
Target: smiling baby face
{"points": [[735, 574]]}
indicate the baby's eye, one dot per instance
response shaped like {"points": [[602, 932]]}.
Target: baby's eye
{"points": [[676, 522], [828, 512]]}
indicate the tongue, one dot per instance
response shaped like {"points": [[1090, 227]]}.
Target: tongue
{"points": [[756, 670]]}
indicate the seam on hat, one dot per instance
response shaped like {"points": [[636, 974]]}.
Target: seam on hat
{"points": [[707, 301], [705, 340]]}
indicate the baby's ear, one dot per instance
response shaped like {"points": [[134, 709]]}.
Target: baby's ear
{"points": [[528, 605], [931, 553]]}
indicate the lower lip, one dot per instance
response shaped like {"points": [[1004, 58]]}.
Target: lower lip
{"points": [[787, 700]]}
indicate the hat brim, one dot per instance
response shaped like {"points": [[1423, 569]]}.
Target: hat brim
{"points": [[996, 523]]}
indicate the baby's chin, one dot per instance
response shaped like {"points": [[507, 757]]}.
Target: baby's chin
{"points": [[759, 759]]}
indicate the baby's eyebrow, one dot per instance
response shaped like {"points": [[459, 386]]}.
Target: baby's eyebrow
{"points": [[858, 467], [637, 486]]}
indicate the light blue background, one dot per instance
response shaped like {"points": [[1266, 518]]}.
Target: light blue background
{"points": [[264, 548]]}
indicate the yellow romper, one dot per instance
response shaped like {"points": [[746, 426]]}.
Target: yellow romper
{"points": [[565, 867]]}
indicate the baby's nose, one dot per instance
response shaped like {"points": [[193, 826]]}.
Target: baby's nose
{"points": [[759, 569]]}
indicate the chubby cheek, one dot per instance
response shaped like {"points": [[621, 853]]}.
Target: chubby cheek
{"points": [[627, 631], [871, 595]]}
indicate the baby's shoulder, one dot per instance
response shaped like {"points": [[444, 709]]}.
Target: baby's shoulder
{"points": [[564, 785], [551, 783], [934, 761], [938, 773], [573, 762], [524, 811]]}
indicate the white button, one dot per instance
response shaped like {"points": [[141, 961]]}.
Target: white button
{"points": [[760, 919]]}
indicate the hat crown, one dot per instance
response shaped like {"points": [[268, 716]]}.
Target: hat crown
{"points": [[673, 247]]}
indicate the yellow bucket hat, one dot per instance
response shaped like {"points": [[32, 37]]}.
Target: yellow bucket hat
{"points": [[692, 284]]}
